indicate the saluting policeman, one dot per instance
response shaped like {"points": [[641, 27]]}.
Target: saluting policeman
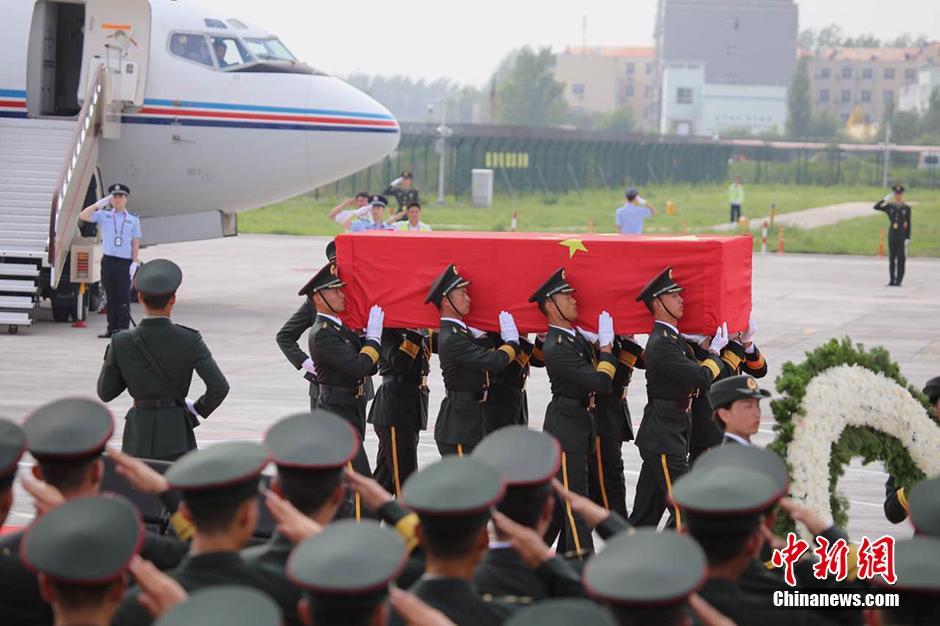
{"points": [[673, 377], [155, 363], [120, 242], [576, 377], [465, 364], [343, 361], [899, 233], [402, 189]]}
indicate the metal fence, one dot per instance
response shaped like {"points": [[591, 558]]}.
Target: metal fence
{"points": [[552, 161]]}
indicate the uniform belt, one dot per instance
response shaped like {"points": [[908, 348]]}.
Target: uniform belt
{"points": [[583, 403], [469, 396], [682, 405], [356, 392], [159, 403]]}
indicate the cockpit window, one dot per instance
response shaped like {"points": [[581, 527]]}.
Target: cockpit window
{"points": [[268, 49], [236, 23], [229, 52], [214, 23], [191, 47]]}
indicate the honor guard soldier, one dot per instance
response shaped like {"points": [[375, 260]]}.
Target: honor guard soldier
{"points": [[673, 377], [310, 452], [12, 447], [453, 498], [506, 402], [294, 328], [465, 363], [622, 577], [81, 551], [899, 232], [400, 409], [736, 405], [528, 460], [345, 571], [562, 613], [120, 243], [226, 605], [402, 189], [155, 363], [343, 361], [576, 377]]}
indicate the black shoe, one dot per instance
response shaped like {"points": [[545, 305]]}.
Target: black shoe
{"points": [[106, 335]]}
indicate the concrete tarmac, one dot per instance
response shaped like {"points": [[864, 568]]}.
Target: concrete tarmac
{"points": [[239, 291]]}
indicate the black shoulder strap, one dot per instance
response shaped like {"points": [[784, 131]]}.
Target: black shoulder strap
{"points": [[155, 366]]}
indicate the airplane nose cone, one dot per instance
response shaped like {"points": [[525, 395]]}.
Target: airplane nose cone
{"points": [[349, 130]]}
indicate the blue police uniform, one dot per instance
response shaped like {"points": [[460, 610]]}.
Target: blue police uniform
{"points": [[118, 229]]}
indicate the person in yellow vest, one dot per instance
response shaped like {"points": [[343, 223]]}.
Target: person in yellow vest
{"points": [[736, 198]]}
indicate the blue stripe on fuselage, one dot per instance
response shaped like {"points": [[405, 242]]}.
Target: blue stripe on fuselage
{"points": [[261, 108], [176, 121]]}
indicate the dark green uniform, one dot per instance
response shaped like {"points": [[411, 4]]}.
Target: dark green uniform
{"points": [[506, 398], [400, 409], [466, 366], [605, 476], [460, 601], [287, 338], [403, 196], [576, 377], [158, 426], [896, 507], [899, 231], [344, 362]]}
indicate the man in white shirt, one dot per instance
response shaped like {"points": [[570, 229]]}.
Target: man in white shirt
{"points": [[413, 223]]}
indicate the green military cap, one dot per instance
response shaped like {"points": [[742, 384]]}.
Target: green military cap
{"points": [[87, 540], [726, 490], [916, 565], [326, 278], [447, 281], [331, 251], [348, 559], [158, 277], [562, 613], [406, 174], [932, 389], [899, 188], [222, 466], [661, 284], [12, 447], [556, 283], [646, 568], [924, 501], [748, 457], [724, 392], [523, 457], [224, 605], [312, 441], [453, 486], [68, 428]]}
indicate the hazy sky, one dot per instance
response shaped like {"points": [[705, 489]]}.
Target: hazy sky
{"points": [[465, 40]]}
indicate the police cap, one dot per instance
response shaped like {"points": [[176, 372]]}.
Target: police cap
{"points": [[119, 189], [748, 457], [726, 490], [88, 540], [563, 612], [224, 605], [158, 277], [447, 281], [661, 284], [556, 283], [226, 472], [724, 392], [308, 441], [899, 188], [453, 486], [69, 428], [378, 200], [326, 278], [12, 447], [331, 251], [523, 457]]}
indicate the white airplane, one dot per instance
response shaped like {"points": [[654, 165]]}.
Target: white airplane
{"points": [[200, 114]]}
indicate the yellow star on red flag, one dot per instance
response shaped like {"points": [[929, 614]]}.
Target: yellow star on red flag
{"points": [[573, 245]]}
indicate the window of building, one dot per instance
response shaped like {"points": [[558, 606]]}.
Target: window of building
{"points": [[683, 95], [628, 91], [649, 69], [910, 76], [846, 95], [846, 72], [824, 95], [577, 89], [888, 96], [191, 47], [867, 73], [866, 95], [649, 92], [825, 72], [631, 68], [889, 73]]}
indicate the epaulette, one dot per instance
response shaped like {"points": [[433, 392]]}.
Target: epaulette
{"points": [[192, 330]]}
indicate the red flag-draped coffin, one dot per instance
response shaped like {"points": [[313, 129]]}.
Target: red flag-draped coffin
{"points": [[395, 270]]}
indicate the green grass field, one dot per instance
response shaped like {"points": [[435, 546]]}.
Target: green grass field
{"points": [[697, 208]]}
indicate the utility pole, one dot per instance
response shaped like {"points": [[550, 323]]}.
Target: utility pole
{"points": [[443, 133]]}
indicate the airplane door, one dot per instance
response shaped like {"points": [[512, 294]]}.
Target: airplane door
{"points": [[117, 35]]}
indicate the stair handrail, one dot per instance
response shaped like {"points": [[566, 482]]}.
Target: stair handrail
{"points": [[66, 195]]}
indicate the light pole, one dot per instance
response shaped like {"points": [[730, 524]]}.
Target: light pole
{"points": [[443, 132]]}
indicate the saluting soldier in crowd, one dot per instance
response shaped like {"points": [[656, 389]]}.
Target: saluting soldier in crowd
{"points": [[120, 244], [343, 361], [673, 377], [576, 377], [294, 328], [466, 365], [402, 189], [400, 409], [899, 232], [155, 363]]}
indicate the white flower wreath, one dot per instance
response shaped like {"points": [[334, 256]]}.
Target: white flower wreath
{"points": [[850, 395]]}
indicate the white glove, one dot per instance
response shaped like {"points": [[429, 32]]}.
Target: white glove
{"points": [[541, 337], [751, 330], [363, 210], [889, 197], [591, 337], [605, 329], [395, 182], [133, 269], [376, 321], [476, 332], [507, 327], [720, 340], [103, 202], [191, 407], [307, 366]]}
